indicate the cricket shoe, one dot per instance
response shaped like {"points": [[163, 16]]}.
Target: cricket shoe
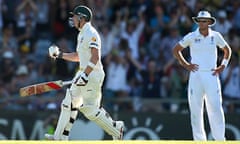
{"points": [[120, 126], [49, 137]]}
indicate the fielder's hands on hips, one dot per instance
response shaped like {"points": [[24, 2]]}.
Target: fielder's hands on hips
{"points": [[54, 51], [81, 79], [218, 70]]}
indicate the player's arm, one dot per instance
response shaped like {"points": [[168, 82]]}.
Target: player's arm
{"points": [[227, 54], [223, 45], [70, 56], [82, 78], [226, 57], [177, 53], [93, 60]]}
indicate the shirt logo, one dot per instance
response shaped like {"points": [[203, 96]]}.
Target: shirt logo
{"points": [[197, 40], [212, 42], [94, 39]]}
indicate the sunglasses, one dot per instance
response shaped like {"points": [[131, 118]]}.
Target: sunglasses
{"points": [[202, 21]]}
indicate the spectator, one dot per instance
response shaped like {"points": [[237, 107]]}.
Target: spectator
{"points": [[223, 25], [131, 31], [8, 40], [107, 35], [151, 77], [236, 16], [26, 9], [101, 14], [26, 37], [154, 44], [4, 94], [8, 67], [159, 20], [176, 84], [234, 40], [60, 25], [168, 42], [20, 79], [116, 80], [42, 20], [3, 9]]}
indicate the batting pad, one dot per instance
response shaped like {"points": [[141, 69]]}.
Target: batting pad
{"points": [[72, 119], [101, 118], [64, 117]]}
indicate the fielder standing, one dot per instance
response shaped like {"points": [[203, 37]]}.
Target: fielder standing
{"points": [[85, 92], [204, 84]]}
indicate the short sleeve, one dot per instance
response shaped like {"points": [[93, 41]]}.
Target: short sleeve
{"points": [[186, 41], [220, 40], [94, 42]]}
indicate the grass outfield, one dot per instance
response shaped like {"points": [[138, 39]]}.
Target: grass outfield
{"points": [[118, 142]]}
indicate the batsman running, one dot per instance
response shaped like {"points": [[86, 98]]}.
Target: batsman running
{"points": [[84, 95], [204, 84]]}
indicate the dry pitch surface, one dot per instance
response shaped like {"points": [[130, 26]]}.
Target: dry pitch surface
{"points": [[118, 142]]}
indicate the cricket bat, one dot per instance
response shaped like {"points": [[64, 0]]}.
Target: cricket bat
{"points": [[42, 87]]}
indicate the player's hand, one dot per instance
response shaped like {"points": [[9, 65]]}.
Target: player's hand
{"points": [[191, 67], [54, 51], [218, 70], [81, 79]]}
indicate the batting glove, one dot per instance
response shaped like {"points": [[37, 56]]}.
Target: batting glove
{"points": [[54, 51], [81, 79]]}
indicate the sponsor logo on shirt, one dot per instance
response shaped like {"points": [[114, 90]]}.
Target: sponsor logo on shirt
{"points": [[212, 40], [197, 40], [94, 39]]}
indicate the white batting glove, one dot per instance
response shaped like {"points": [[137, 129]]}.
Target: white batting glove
{"points": [[81, 79], [54, 51]]}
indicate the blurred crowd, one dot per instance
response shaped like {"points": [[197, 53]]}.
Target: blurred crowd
{"points": [[137, 40]]}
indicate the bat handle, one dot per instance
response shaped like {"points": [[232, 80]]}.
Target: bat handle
{"points": [[66, 83]]}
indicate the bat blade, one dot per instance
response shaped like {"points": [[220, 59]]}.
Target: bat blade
{"points": [[40, 88]]}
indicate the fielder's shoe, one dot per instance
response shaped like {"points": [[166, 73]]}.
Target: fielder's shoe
{"points": [[120, 127], [49, 136]]}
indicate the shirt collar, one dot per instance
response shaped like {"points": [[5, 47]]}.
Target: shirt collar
{"points": [[199, 34]]}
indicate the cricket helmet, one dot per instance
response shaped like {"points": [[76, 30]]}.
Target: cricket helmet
{"points": [[82, 11]]}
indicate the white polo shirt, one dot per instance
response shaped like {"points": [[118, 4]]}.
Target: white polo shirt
{"points": [[203, 50], [88, 38]]}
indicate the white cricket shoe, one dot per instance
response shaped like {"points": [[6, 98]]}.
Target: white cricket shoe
{"points": [[120, 127], [49, 136]]}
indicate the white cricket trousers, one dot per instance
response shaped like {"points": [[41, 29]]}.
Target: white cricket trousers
{"points": [[204, 87], [91, 94]]}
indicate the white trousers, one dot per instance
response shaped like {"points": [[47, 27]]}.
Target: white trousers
{"points": [[91, 94], [204, 87]]}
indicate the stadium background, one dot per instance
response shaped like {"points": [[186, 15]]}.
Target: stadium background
{"points": [[153, 107]]}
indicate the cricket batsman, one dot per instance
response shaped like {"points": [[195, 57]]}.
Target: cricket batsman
{"points": [[85, 94]]}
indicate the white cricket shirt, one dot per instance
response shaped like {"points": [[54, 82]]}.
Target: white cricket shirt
{"points": [[88, 38], [203, 50]]}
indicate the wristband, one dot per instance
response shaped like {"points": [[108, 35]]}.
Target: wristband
{"points": [[60, 56], [225, 62], [90, 64]]}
